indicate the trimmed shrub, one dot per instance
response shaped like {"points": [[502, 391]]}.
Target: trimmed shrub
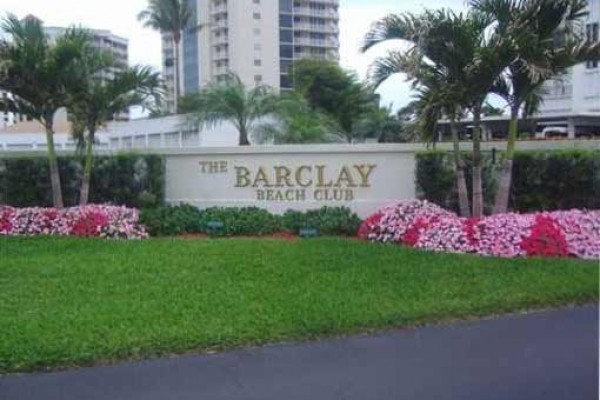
{"points": [[542, 180], [327, 220], [424, 225], [89, 221], [240, 221], [172, 220], [131, 180], [187, 219]]}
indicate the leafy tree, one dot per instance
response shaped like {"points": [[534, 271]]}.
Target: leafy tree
{"points": [[339, 93], [170, 17], [295, 122], [544, 42], [35, 72], [382, 125], [94, 100], [230, 100]]}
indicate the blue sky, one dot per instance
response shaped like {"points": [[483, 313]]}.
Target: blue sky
{"points": [[119, 16]]}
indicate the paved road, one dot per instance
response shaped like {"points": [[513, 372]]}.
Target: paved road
{"points": [[546, 355]]}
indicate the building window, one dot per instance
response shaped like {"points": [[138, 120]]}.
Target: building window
{"points": [[286, 36], [285, 6], [256, 15], [256, 1], [285, 21], [257, 46], [592, 36], [257, 63], [258, 79], [256, 31], [285, 66], [285, 82], [286, 51]]}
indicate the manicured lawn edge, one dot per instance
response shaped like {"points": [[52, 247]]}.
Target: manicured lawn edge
{"points": [[271, 279]]}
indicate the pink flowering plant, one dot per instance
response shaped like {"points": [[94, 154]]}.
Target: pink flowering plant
{"points": [[424, 225], [102, 221]]}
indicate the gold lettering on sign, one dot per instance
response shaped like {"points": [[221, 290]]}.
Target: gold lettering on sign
{"points": [[316, 182], [261, 177], [213, 167], [365, 172], [242, 177], [299, 180], [321, 177], [283, 175], [345, 176]]}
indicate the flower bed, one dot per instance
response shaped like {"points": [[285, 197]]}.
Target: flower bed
{"points": [[89, 221], [424, 225]]}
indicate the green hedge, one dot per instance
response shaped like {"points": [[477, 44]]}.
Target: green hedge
{"points": [[542, 180], [435, 179], [129, 179], [326, 220], [187, 219]]}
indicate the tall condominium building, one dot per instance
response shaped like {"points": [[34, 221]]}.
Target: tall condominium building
{"points": [[256, 39], [576, 95]]}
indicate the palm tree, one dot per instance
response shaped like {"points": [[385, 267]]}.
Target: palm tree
{"points": [[35, 72], [93, 101], [230, 100], [441, 64], [170, 17], [534, 27]]}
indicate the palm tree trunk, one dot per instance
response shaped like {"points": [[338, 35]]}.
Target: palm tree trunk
{"points": [[459, 169], [176, 75], [505, 174], [477, 164], [243, 141], [87, 170], [57, 199]]}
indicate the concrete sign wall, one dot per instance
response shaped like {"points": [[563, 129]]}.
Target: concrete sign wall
{"points": [[279, 178]]}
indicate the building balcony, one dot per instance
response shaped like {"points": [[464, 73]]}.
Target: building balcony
{"points": [[219, 24], [305, 3], [327, 55], [219, 9], [220, 40], [330, 13], [222, 55], [308, 27], [304, 41]]}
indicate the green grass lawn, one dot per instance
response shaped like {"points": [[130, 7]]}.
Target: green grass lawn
{"points": [[70, 302]]}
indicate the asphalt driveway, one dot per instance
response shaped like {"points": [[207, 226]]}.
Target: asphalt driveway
{"points": [[549, 355]]}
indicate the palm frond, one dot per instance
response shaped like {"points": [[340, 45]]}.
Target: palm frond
{"points": [[405, 26]]}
